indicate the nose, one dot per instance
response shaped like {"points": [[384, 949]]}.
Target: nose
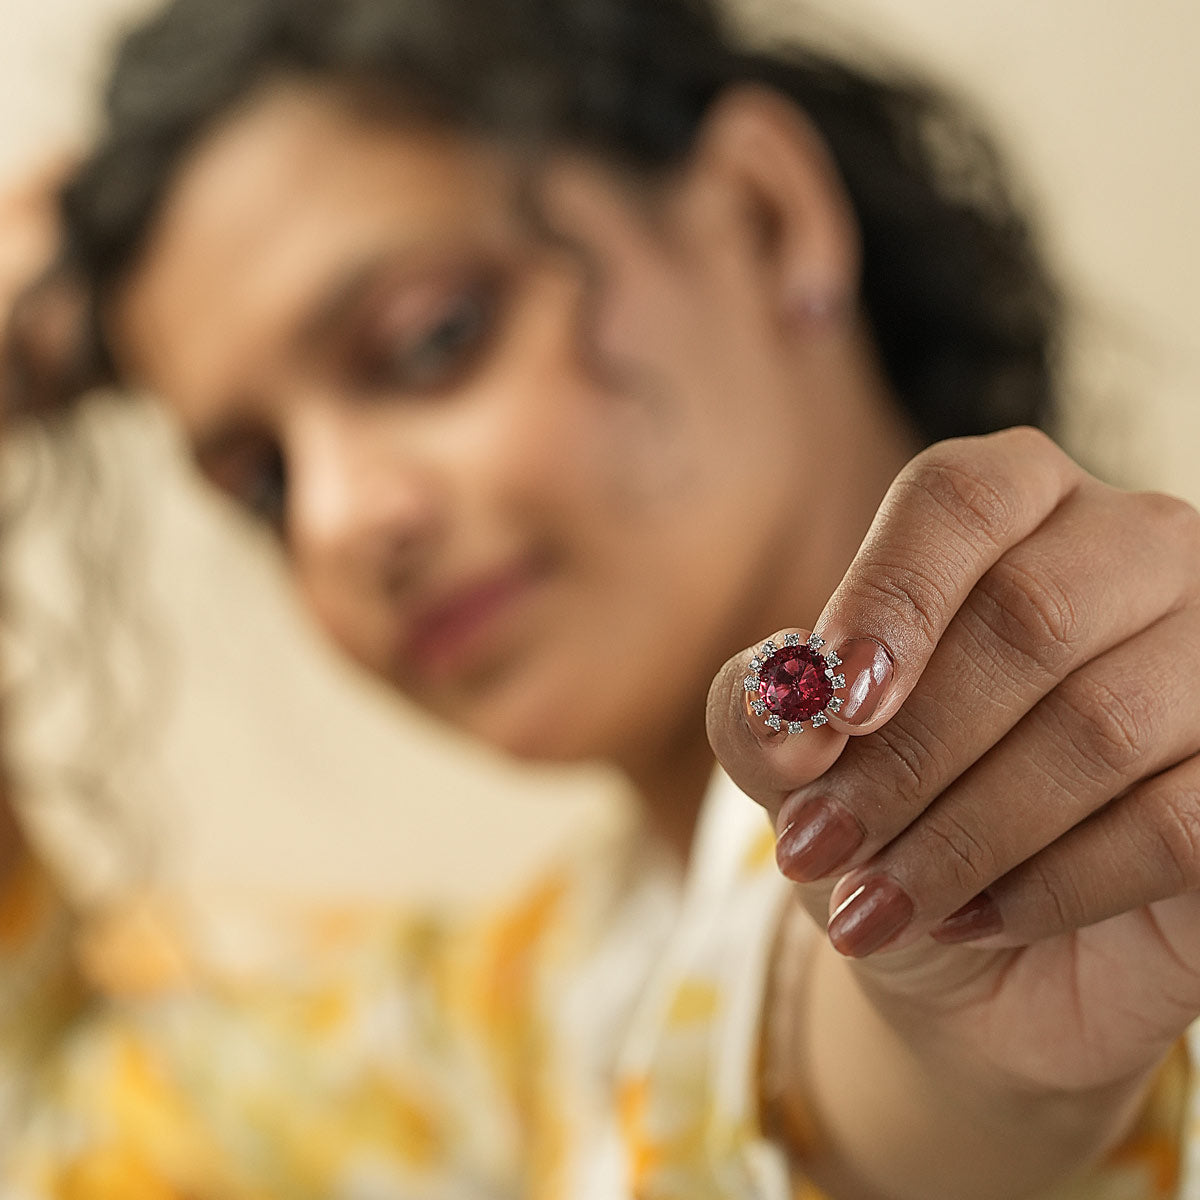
{"points": [[360, 511]]}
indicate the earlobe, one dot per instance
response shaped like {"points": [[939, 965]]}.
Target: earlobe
{"points": [[823, 306], [765, 147]]}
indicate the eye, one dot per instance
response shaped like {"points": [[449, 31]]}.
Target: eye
{"points": [[250, 469], [428, 350]]}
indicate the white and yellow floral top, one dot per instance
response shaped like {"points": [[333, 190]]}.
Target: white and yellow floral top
{"points": [[600, 1041]]}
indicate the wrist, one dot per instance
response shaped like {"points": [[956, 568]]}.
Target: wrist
{"points": [[899, 1110]]}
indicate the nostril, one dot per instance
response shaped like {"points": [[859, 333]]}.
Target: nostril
{"points": [[399, 562]]}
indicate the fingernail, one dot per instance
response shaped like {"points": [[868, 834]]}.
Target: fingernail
{"points": [[870, 917], [868, 669], [818, 839], [977, 918]]}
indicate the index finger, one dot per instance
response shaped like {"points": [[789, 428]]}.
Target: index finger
{"points": [[950, 516]]}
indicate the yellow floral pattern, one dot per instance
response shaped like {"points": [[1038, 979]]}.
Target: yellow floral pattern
{"points": [[598, 1041]]}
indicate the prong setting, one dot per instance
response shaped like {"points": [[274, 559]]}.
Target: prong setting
{"points": [[792, 685]]}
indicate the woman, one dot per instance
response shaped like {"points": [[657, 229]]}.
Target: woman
{"points": [[572, 349]]}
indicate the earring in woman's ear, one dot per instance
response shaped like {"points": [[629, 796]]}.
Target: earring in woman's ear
{"points": [[819, 307]]}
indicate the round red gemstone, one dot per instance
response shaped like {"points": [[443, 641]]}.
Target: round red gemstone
{"points": [[793, 683]]}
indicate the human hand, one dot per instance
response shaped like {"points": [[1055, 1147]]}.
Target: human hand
{"points": [[1023, 773]]}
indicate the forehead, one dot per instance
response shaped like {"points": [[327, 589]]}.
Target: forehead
{"points": [[272, 210]]}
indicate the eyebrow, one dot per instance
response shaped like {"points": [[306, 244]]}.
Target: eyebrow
{"points": [[331, 311], [343, 298]]}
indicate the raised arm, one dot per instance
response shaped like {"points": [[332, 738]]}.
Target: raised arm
{"points": [[1001, 843]]}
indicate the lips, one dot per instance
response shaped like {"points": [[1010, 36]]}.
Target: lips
{"points": [[452, 632]]}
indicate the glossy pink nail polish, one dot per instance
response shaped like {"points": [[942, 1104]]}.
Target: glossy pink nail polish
{"points": [[978, 918], [868, 668], [871, 916], [817, 840]]}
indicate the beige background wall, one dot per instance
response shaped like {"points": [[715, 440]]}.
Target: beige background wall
{"points": [[272, 766]]}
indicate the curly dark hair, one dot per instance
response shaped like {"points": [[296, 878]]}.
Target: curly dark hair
{"points": [[964, 313]]}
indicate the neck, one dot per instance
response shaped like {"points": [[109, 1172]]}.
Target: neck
{"points": [[672, 785]]}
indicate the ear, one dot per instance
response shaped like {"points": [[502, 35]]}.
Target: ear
{"points": [[777, 175]]}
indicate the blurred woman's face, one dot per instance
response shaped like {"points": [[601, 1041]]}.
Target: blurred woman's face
{"points": [[540, 486]]}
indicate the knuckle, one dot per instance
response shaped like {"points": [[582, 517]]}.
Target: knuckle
{"points": [[883, 764], [1176, 822], [915, 596], [1032, 613], [959, 853], [1031, 442], [1054, 896], [1174, 517], [905, 760], [975, 507], [928, 755], [1106, 727]]}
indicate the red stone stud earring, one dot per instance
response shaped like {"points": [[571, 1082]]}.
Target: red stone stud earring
{"points": [[794, 683]]}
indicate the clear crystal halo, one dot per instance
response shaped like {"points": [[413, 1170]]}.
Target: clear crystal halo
{"points": [[791, 682]]}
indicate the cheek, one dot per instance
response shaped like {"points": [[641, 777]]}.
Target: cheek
{"points": [[634, 424], [577, 430], [357, 622], [639, 386], [649, 436], [694, 391]]}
